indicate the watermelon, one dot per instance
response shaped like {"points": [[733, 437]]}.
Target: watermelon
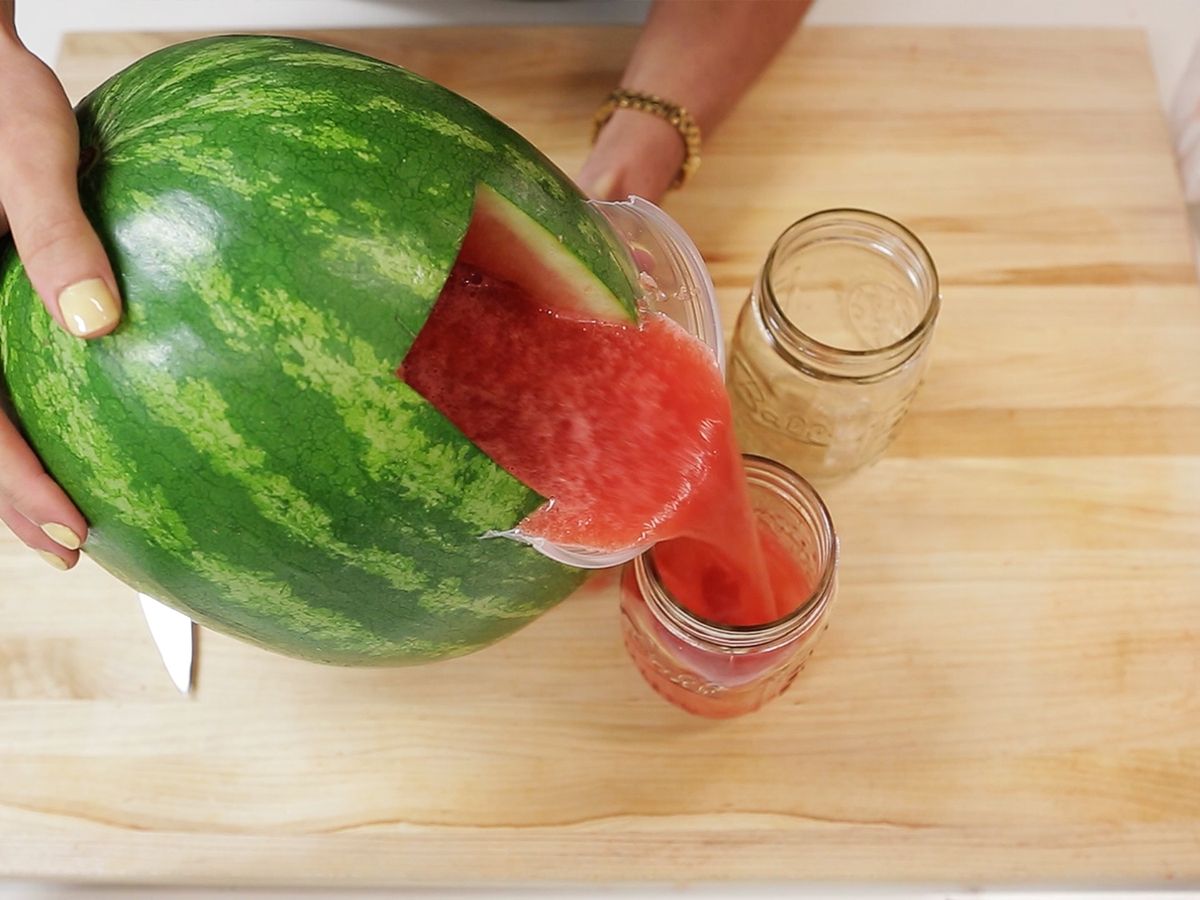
{"points": [[512, 246], [281, 216]]}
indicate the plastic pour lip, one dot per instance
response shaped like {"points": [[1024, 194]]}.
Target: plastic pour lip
{"points": [[681, 288], [676, 284]]}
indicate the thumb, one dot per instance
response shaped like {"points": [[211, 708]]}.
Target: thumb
{"points": [[64, 259]]}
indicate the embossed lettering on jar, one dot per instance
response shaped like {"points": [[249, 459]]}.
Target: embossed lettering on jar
{"points": [[831, 345]]}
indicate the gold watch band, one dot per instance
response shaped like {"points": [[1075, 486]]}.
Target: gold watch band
{"points": [[676, 115]]}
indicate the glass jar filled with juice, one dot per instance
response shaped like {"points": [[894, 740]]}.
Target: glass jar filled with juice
{"points": [[676, 609]]}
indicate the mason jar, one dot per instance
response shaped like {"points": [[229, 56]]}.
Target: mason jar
{"points": [[831, 345], [716, 670]]}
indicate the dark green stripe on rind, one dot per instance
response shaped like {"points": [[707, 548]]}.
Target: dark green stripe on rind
{"points": [[240, 445]]}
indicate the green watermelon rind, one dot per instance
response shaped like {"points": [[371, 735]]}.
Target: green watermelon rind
{"points": [[516, 248]]}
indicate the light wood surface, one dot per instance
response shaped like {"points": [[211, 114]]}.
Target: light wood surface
{"points": [[1009, 688]]}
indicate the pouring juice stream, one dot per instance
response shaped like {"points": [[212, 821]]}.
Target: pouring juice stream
{"points": [[627, 428]]}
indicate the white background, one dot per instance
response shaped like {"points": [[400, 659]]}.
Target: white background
{"points": [[1173, 32]]}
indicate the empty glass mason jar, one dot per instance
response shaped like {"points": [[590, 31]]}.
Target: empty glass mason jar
{"points": [[719, 671], [830, 347]]}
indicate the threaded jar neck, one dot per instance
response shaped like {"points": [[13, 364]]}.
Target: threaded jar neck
{"points": [[800, 500], [883, 315]]}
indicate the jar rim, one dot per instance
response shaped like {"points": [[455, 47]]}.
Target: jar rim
{"points": [[710, 635], [893, 353]]}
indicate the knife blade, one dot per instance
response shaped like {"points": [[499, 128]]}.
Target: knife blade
{"points": [[175, 637]]}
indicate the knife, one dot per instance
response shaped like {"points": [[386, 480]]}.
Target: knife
{"points": [[175, 636]]}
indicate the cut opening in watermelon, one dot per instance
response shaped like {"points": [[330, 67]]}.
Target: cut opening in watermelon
{"points": [[611, 421], [623, 426], [544, 370]]}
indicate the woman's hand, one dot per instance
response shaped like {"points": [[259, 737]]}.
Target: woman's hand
{"points": [[635, 153], [702, 55], [39, 204]]}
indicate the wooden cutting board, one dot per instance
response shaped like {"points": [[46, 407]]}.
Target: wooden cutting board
{"points": [[1009, 689]]}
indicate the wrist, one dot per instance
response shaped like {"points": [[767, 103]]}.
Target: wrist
{"points": [[635, 153], [650, 139]]}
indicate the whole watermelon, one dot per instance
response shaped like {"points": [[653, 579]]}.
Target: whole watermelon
{"points": [[281, 216]]}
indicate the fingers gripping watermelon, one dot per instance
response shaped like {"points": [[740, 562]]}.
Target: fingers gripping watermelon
{"points": [[282, 216]]}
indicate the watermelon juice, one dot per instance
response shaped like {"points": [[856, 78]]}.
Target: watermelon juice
{"points": [[719, 670], [626, 427]]}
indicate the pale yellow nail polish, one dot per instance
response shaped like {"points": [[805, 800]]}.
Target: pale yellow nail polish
{"points": [[88, 307], [62, 535], [56, 561]]}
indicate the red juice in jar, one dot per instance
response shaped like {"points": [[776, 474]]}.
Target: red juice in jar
{"points": [[713, 668]]}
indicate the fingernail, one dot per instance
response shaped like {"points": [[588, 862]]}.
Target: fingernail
{"points": [[62, 535], [88, 307], [57, 561]]}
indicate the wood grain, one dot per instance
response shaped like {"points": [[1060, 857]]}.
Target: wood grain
{"points": [[1008, 691]]}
